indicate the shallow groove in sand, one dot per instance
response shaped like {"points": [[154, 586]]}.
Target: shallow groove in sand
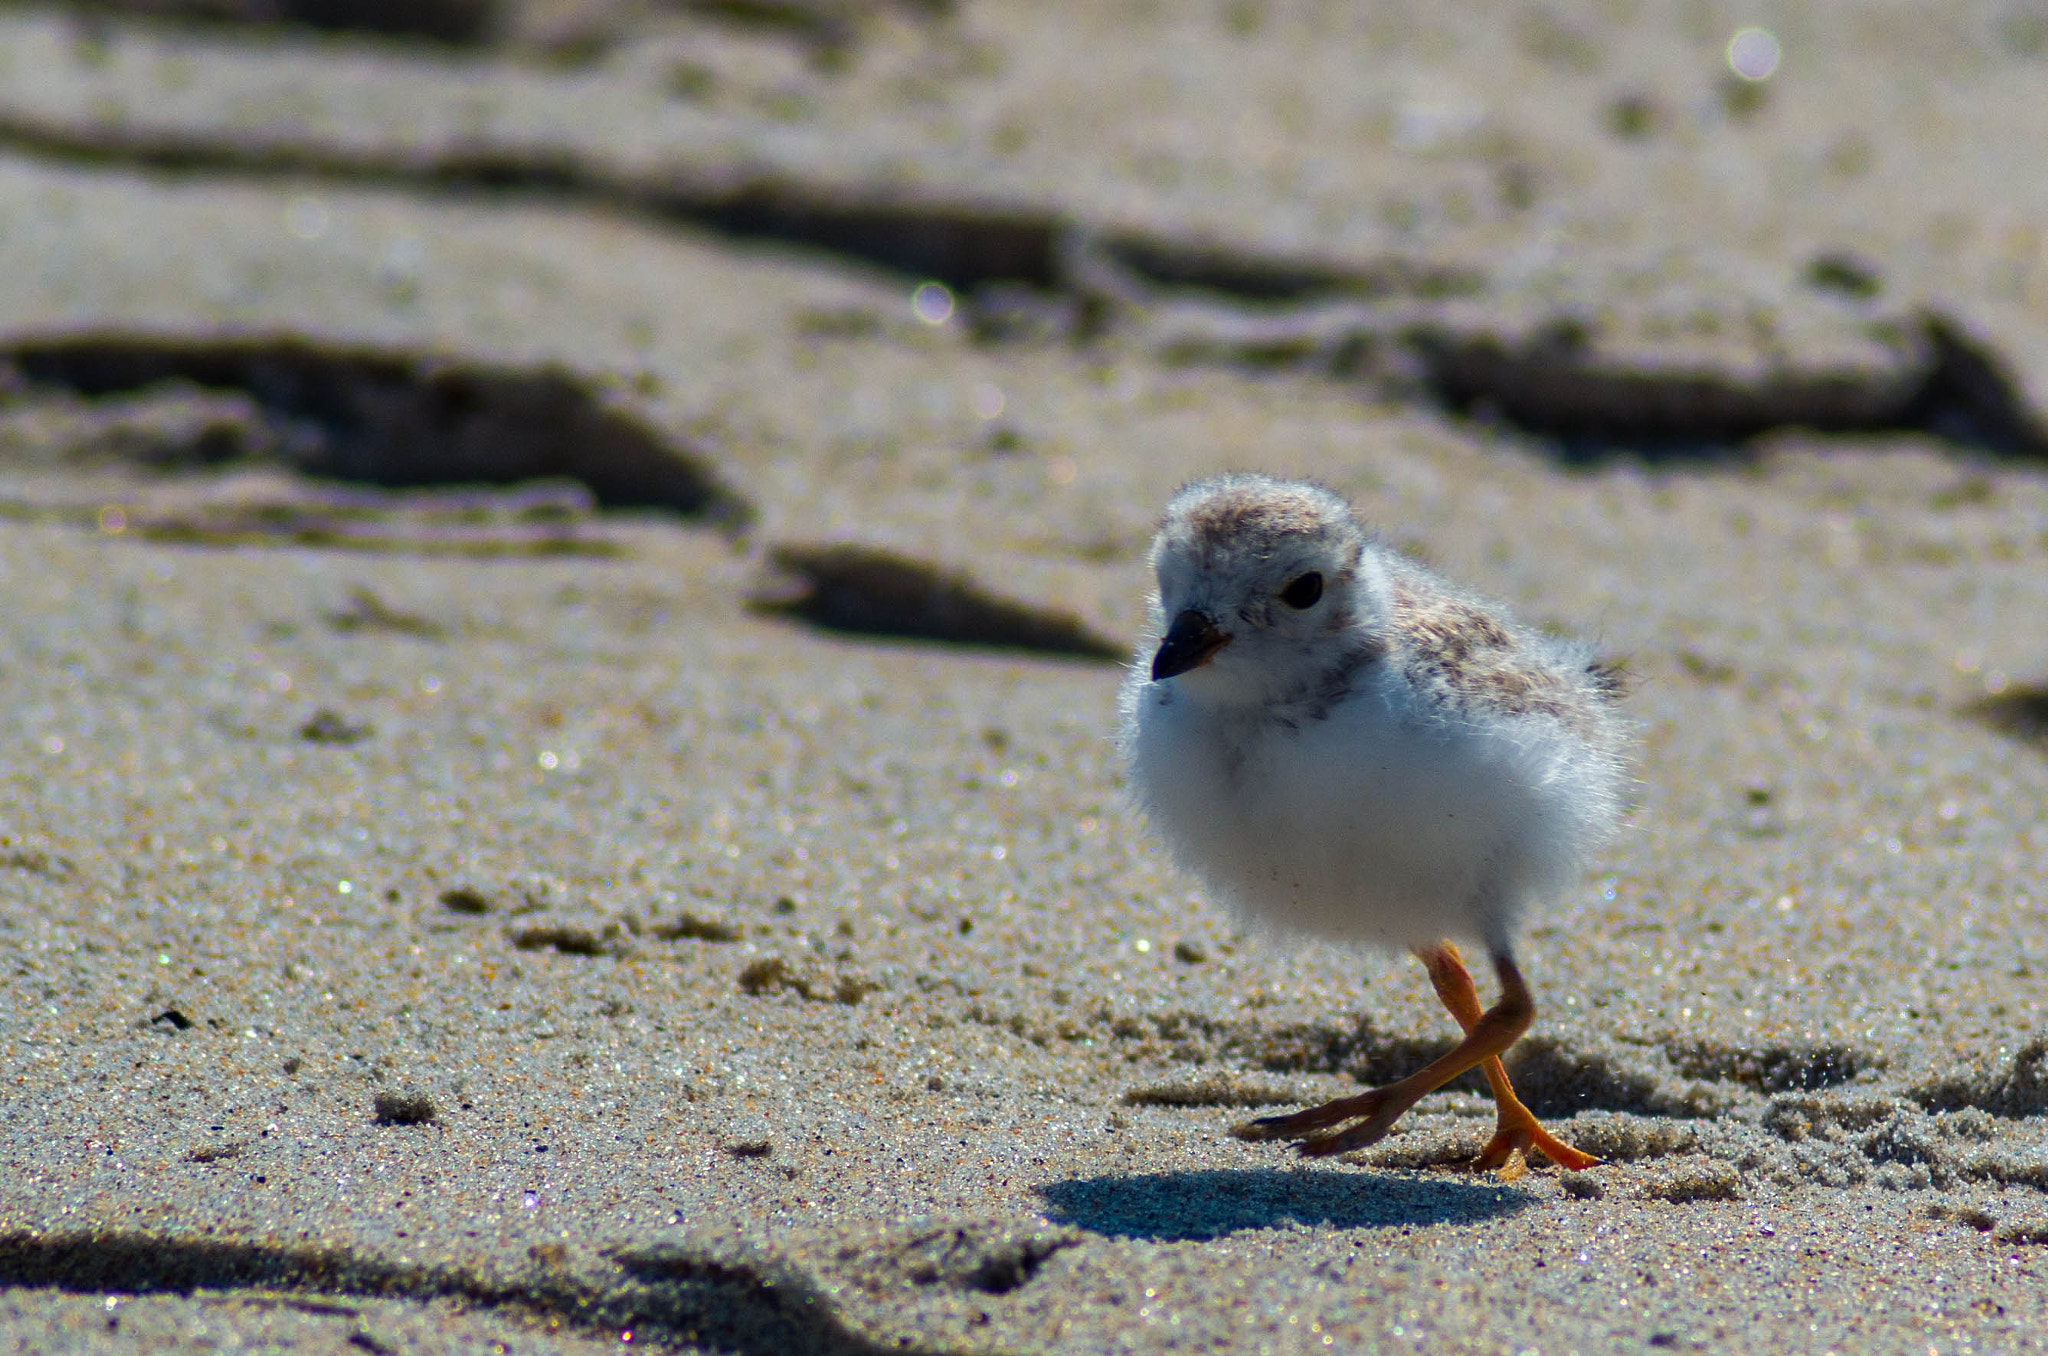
{"points": [[736, 1304], [386, 417], [1554, 1076], [1031, 271], [864, 590]]}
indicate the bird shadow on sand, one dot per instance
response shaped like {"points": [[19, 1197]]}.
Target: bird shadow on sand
{"points": [[1171, 1207]]}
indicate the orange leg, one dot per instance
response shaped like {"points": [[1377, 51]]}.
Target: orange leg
{"points": [[1487, 1034], [1517, 1130]]}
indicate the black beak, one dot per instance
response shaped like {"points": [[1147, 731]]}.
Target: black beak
{"points": [[1189, 643]]}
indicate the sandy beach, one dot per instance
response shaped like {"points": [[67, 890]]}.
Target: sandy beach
{"points": [[565, 580]]}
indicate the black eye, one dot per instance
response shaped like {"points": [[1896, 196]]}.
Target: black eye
{"points": [[1303, 590]]}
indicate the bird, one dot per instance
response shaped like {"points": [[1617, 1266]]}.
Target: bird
{"points": [[1339, 742]]}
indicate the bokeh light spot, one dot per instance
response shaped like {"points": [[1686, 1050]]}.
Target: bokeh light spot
{"points": [[932, 303], [1753, 53]]}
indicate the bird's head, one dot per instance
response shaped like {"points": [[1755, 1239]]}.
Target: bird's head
{"points": [[1264, 585]]}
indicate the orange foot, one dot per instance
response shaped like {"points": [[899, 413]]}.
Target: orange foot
{"points": [[1516, 1130], [1375, 1113], [1516, 1133], [1354, 1122]]}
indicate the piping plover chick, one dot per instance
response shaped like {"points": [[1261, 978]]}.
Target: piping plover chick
{"points": [[1340, 742]]}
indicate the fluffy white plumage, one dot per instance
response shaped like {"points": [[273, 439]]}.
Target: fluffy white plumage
{"points": [[1396, 763]]}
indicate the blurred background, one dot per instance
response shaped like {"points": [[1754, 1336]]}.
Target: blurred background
{"points": [[231, 234]]}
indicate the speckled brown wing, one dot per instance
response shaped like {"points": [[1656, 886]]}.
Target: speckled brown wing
{"points": [[1458, 648]]}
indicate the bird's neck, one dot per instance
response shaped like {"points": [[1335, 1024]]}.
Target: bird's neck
{"points": [[1299, 695]]}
